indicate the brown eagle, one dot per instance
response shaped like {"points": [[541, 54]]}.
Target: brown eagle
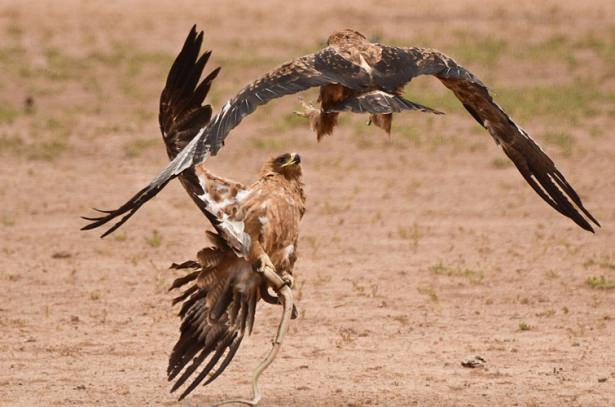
{"points": [[253, 247], [359, 76]]}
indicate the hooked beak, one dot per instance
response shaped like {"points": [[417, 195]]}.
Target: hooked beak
{"points": [[293, 160]]}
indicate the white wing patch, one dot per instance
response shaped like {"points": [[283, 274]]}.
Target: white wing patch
{"points": [[242, 195], [221, 199]]}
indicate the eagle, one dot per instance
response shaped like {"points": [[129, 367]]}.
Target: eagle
{"points": [[253, 247], [359, 76]]}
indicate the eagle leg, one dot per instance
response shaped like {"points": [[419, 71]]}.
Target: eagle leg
{"points": [[320, 121], [381, 120], [286, 297]]}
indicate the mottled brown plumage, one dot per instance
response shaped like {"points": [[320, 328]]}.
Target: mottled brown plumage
{"points": [[358, 76], [257, 227]]}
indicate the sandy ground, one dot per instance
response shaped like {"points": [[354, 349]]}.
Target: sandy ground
{"points": [[417, 252]]}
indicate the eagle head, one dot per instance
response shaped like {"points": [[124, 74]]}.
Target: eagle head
{"points": [[288, 164], [345, 36]]}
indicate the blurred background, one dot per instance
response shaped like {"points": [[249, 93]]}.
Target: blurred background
{"points": [[417, 251]]}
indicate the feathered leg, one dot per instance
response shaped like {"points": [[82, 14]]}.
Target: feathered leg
{"points": [[320, 122], [382, 120]]}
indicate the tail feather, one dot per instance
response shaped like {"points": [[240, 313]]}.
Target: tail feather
{"points": [[215, 316], [379, 102]]}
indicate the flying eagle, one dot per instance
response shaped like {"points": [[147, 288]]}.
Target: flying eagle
{"points": [[359, 76], [253, 248]]}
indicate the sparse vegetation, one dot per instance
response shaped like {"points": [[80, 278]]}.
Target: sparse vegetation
{"points": [[268, 143], [430, 292], [500, 163], [561, 139], [473, 48], [603, 262], [120, 236], [155, 239], [346, 337], [136, 147], [601, 283], [524, 326], [10, 144], [401, 318], [412, 233], [8, 114], [457, 271], [47, 150], [565, 103]]}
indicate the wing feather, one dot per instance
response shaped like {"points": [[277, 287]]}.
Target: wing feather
{"points": [[214, 321], [399, 65], [181, 116]]}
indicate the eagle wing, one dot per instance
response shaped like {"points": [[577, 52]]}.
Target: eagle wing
{"points": [[181, 100], [399, 65], [200, 137], [216, 310], [181, 112]]}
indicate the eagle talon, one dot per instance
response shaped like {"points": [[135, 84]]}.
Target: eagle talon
{"points": [[308, 110], [288, 280]]}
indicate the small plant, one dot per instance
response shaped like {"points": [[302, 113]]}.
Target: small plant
{"points": [[457, 271], [402, 319], [604, 263], [268, 143], [120, 237], [47, 151], [412, 233], [501, 163], [524, 326], [429, 291], [346, 337], [155, 240], [601, 283]]}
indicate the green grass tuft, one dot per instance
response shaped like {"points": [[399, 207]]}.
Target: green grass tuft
{"points": [[604, 263], [8, 114], [457, 271], [501, 163], [46, 151], [155, 240], [600, 283], [524, 326], [268, 143], [561, 139]]}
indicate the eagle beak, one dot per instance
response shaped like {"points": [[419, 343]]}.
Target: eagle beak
{"points": [[293, 160]]}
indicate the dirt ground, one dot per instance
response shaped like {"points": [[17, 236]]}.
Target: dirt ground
{"points": [[417, 252]]}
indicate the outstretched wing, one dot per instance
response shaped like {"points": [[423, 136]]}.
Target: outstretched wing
{"points": [[324, 67], [181, 101], [205, 139], [181, 116], [399, 65], [216, 311]]}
